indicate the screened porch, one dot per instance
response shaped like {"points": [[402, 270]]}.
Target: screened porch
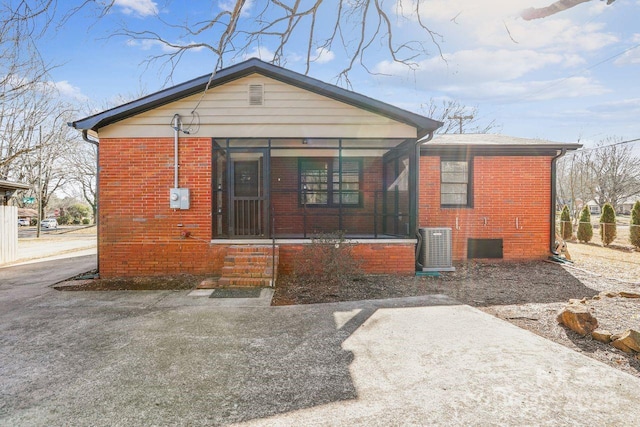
{"points": [[300, 188]]}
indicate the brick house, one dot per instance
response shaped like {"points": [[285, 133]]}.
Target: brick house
{"points": [[266, 158]]}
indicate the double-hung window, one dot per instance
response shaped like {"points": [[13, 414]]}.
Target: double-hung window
{"points": [[322, 184], [455, 183]]}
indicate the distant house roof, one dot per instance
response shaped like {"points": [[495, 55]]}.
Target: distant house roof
{"points": [[494, 143], [423, 124], [7, 188]]}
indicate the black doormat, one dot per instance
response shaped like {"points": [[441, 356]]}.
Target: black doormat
{"points": [[236, 293]]}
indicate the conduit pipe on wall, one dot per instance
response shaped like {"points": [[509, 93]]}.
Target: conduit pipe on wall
{"points": [[552, 216], [419, 142], [176, 131]]}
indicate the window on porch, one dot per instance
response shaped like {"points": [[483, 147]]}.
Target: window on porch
{"points": [[322, 184]]}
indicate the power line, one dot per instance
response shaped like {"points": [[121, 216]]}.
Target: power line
{"points": [[557, 82], [630, 141]]}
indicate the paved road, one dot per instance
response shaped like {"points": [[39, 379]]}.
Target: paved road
{"points": [[164, 358]]}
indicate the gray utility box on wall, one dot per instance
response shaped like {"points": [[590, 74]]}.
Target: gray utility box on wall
{"points": [[179, 198], [435, 252]]}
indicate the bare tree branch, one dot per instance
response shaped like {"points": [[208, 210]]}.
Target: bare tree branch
{"points": [[556, 7]]}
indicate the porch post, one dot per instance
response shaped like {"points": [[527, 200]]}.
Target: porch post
{"points": [[414, 179]]}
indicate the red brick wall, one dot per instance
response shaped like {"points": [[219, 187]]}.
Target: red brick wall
{"points": [[504, 188], [139, 233], [376, 258]]}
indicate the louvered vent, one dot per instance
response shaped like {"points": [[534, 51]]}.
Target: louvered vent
{"points": [[436, 249], [256, 95]]}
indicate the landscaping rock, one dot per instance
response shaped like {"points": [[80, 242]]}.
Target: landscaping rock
{"points": [[621, 346], [601, 335], [628, 339], [578, 319], [628, 294]]}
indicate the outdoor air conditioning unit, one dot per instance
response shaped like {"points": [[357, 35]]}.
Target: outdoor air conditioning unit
{"points": [[435, 253]]}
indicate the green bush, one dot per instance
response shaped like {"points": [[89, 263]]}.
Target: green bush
{"points": [[566, 227], [64, 219], [608, 230], [634, 230], [585, 229], [86, 221]]}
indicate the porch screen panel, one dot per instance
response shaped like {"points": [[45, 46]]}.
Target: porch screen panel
{"points": [[396, 196], [350, 182], [314, 180], [220, 194]]}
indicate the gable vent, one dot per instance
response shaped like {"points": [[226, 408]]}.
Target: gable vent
{"points": [[256, 94]]}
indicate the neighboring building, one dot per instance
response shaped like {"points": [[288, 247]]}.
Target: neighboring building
{"points": [[594, 207], [9, 221], [272, 157], [625, 207]]}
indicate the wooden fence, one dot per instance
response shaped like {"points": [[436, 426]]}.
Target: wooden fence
{"points": [[8, 234]]}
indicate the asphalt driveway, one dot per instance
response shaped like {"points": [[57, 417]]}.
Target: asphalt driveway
{"points": [[165, 358]]}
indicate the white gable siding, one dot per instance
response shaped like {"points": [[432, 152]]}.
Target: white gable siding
{"points": [[287, 111]]}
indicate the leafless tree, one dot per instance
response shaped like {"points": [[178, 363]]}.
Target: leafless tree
{"points": [[616, 171], [607, 173], [352, 27], [575, 181], [83, 173], [446, 110]]}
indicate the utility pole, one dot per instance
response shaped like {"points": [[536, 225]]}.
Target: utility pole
{"points": [[38, 224], [460, 119]]}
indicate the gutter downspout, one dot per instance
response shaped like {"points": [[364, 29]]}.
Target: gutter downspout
{"points": [[85, 137], [419, 142], [552, 215]]}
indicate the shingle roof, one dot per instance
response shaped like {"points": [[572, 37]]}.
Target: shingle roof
{"points": [[484, 139], [494, 143], [423, 124]]}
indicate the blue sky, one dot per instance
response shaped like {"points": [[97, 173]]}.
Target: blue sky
{"points": [[572, 76]]}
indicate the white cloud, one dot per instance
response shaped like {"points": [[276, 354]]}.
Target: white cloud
{"points": [[597, 7], [323, 55], [474, 66], [629, 106], [67, 90], [631, 56], [262, 53], [558, 35], [573, 87], [137, 7]]}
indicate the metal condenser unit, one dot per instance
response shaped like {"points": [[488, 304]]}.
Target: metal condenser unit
{"points": [[435, 253]]}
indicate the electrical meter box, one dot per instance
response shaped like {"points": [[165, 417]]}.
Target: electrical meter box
{"points": [[179, 198]]}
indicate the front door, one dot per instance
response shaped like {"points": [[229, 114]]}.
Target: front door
{"points": [[248, 202]]}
